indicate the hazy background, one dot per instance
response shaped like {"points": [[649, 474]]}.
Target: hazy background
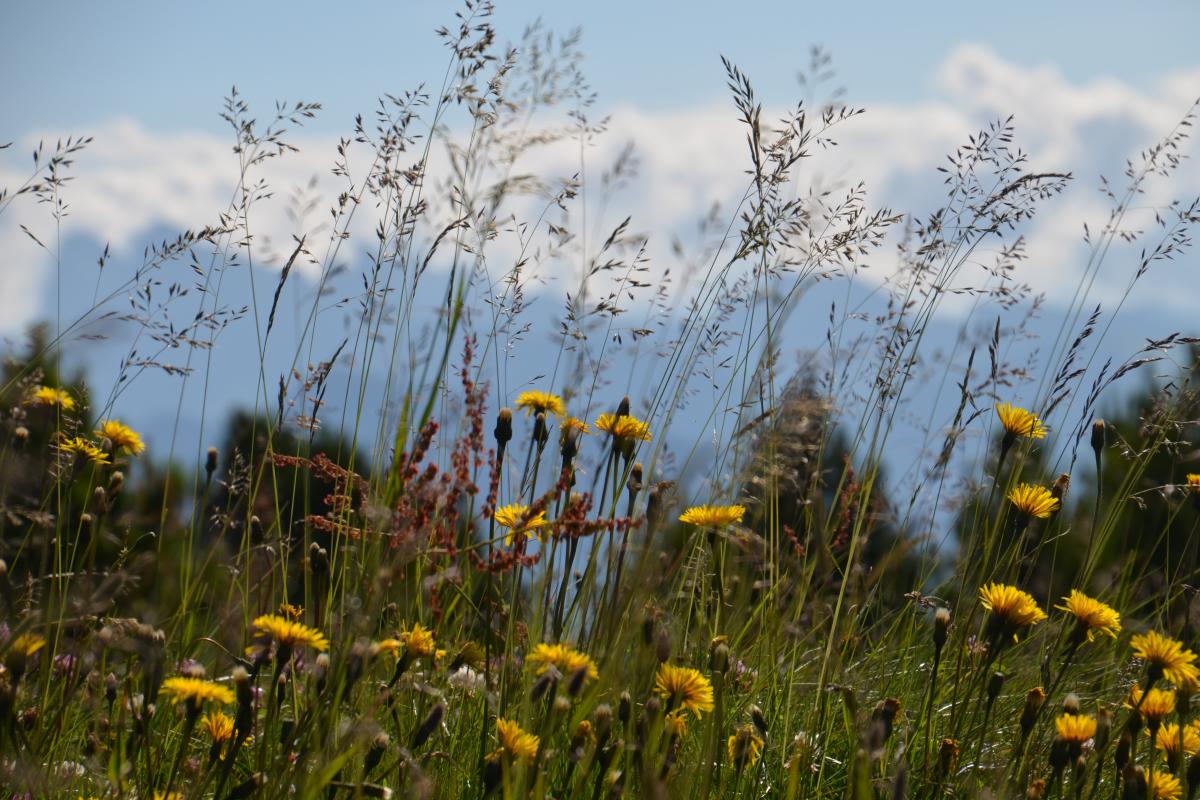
{"points": [[1089, 86]]}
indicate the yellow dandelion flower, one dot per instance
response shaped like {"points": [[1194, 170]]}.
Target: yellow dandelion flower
{"points": [[1169, 739], [1075, 728], [196, 691], [516, 743], [50, 396], [623, 427], [1012, 608], [566, 659], [1091, 615], [676, 723], [1033, 501], [218, 725], [80, 446], [290, 634], [535, 402], [292, 612], [744, 746], [418, 641], [1165, 657], [1163, 785], [572, 424], [122, 436], [684, 687], [713, 516], [1193, 480], [1020, 422], [392, 646], [27, 644], [516, 519], [1153, 705]]}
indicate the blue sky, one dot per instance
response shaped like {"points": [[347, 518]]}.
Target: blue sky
{"points": [[1090, 85], [168, 64]]}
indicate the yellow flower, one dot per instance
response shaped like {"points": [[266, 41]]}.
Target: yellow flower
{"points": [[1012, 608], [713, 516], [676, 723], [1163, 785], [1033, 501], [291, 634], [292, 612], [80, 446], [623, 427], [744, 746], [1091, 614], [566, 659], [516, 519], [49, 396], [1075, 728], [1165, 656], [218, 725], [515, 742], [196, 691], [574, 424], [1169, 738], [392, 646], [1019, 422], [535, 402], [1193, 480], [418, 641], [684, 687], [26, 644], [122, 436], [1153, 705]]}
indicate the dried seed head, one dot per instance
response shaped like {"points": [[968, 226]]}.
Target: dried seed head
{"points": [[210, 463], [1071, 704], [625, 708]]}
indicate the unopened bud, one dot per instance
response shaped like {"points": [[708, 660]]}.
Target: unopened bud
{"points": [[503, 431], [941, 627]]}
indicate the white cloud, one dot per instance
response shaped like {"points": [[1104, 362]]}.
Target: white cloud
{"points": [[131, 180]]}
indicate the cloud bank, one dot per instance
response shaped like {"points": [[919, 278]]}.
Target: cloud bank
{"points": [[131, 182]]}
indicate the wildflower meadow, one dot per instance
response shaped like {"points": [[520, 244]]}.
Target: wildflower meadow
{"points": [[623, 539]]}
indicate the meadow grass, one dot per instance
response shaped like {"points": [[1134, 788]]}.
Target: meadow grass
{"points": [[459, 585]]}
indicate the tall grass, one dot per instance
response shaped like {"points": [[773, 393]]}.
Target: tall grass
{"points": [[408, 571]]}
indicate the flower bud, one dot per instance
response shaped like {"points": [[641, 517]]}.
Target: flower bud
{"points": [[503, 431]]}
